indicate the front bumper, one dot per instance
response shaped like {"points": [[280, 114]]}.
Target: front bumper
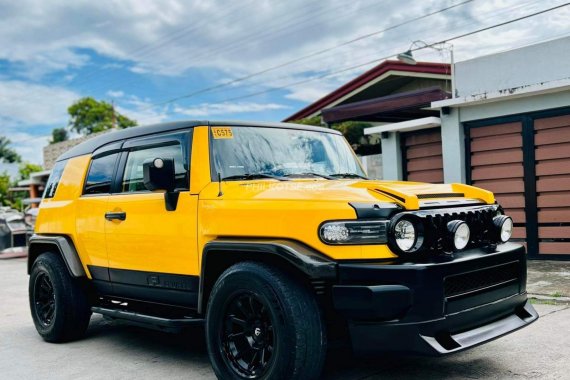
{"points": [[434, 308]]}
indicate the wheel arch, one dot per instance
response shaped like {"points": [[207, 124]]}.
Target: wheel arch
{"points": [[61, 245], [293, 257]]}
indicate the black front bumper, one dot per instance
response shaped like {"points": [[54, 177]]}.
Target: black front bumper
{"points": [[434, 308]]}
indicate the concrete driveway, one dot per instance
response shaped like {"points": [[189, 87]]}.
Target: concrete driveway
{"points": [[117, 351]]}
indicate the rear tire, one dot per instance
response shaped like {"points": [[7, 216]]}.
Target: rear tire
{"points": [[263, 324], [59, 304]]}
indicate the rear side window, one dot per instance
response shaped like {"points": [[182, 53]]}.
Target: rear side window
{"points": [[133, 177], [54, 179], [100, 176]]}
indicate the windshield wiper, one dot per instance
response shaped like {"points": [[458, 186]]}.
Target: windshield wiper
{"points": [[347, 175], [249, 176], [304, 174]]}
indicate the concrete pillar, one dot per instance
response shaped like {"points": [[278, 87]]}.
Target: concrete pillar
{"points": [[391, 156], [453, 147]]}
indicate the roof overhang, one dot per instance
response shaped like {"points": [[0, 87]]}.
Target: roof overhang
{"points": [[390, 105], [405, 126], [370, 77], [506, 94]]}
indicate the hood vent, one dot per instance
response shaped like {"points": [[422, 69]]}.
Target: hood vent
{"points": [[440, 195], [390, 195]]}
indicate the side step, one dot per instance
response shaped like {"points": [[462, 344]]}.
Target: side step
{"points": [[148, 320]]}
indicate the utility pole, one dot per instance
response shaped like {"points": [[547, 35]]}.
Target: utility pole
{"points": [[113, 116]]}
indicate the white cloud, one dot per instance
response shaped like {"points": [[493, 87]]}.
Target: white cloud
{"points": [[25, 104], [115, 94], [208, 109]]}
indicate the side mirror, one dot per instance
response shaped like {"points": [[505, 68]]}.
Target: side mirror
{"points": [[158, 174]]}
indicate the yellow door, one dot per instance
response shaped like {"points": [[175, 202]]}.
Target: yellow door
{"points": [[150, 249], [90, 215]]}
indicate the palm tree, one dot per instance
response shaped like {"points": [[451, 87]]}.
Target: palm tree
{"points": [[8, 154]]}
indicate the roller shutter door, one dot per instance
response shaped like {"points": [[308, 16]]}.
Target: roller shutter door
{"points": [[496, 154], [421, 151], [552, 166]]}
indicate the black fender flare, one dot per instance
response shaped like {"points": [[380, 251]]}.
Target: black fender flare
{"points": [[310, 262], [63, 244]]}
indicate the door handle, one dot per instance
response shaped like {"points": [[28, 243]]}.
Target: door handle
{"points": [[116, 216]]}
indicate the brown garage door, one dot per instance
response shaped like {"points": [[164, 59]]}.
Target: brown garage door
{"points": [[552, 155], [497, 165], [423, 161]]}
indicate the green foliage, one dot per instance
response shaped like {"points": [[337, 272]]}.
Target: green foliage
{"points": [[88, 115], [315, 120], [8, 154], [5, 183], [59, 135], [28, 168], [353, 131]]}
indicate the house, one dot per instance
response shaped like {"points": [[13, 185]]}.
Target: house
{"points": [[508, 130], [391, 92]]}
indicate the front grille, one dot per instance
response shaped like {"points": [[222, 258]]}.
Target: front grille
{"points": [[466, 283], [478, 218]]}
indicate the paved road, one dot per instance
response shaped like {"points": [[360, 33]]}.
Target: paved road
{"points": [[116, 351]]}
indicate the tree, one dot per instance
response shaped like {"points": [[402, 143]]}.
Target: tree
{"points": [[8, 154], [5, 183], [28, 168], [88, 115], [59, 135]]}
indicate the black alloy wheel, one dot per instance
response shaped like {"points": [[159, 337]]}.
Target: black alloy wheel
{"points": [[59, 303], [264, 323], [248, 338], [44, 299]]}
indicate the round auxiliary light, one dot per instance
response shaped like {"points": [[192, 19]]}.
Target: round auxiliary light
{"points": [[460, 233], [158, 163], [503, 227], [405, 235]]}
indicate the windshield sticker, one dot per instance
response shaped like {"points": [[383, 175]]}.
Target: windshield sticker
{"points": [[222, 133]]}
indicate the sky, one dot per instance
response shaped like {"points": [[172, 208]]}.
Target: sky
{"points": [[155, 60]]}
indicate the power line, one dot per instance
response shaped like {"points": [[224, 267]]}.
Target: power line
{"points": [[258, 83], [293, 84], [290, 24], [322, 51]]}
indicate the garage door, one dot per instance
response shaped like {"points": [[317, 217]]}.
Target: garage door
{"points": [[552, 155], [497, 165], [423, 161]]}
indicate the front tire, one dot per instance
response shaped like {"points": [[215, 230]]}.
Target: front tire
{"points": [[263, 324], [59, 304]]}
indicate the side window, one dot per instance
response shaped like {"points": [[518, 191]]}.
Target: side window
{"points": [[133, 177], [54, 178], [100, 175]]}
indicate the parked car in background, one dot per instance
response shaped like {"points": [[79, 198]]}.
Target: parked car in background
{"points": [[13, 229]]}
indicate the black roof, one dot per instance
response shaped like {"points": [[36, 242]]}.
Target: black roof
{"points": [[89, 146]]}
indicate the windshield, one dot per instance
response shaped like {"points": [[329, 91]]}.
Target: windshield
{"points": [[251, 151]]}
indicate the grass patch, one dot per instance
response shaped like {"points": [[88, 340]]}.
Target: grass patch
{"points": [[556, 294]]}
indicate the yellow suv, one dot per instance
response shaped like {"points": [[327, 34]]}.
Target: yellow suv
{"points": [[272, 236]]}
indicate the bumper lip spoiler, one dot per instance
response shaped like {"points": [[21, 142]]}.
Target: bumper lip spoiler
{"points": [[450, 343]]}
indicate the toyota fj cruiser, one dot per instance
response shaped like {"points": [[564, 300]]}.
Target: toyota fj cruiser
{"points": [[272, 236]]}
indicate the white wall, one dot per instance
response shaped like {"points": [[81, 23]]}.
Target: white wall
{"points": [[535, 64]]}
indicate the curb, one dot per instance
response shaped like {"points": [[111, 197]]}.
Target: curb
{"points": [[550, 299]]}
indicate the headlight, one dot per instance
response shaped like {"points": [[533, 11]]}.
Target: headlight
{"points": [[353, 232], [503, 228], [405, 234], [459, 233]]}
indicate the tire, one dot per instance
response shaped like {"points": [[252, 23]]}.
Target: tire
{"points": [[59, 304], [278, 317]]}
